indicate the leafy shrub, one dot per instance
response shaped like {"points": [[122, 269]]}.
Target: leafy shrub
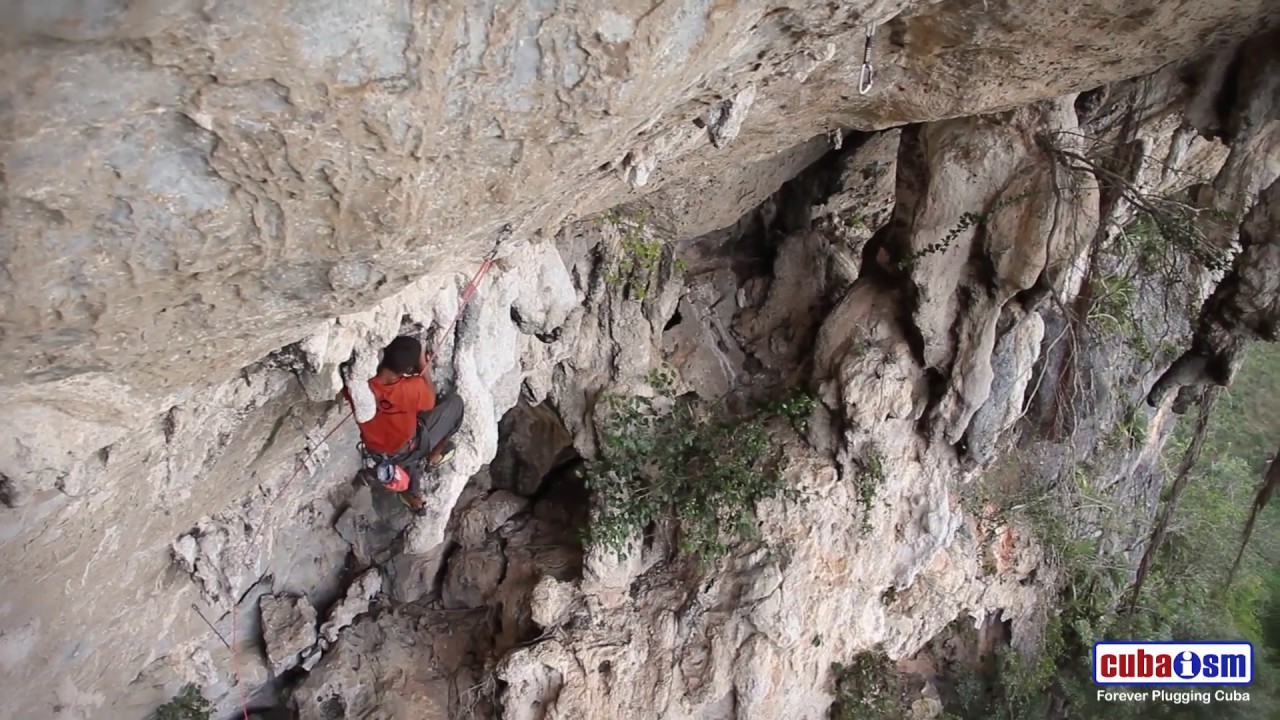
{"points": [[670, 459], [868, 688], [189, 704]]}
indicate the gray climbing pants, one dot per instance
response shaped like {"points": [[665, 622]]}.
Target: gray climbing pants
{"points": [[434, 427]]}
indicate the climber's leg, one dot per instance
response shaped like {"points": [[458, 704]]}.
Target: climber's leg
{"points": [[437, 425]]}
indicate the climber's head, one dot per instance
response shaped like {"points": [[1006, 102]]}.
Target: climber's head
{"points": [[402, 357]]}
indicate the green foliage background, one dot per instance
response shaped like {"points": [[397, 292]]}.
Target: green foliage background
{"points": [[1185, 596]]}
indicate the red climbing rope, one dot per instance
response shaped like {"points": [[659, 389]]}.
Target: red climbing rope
{"points": [[467, 292]]}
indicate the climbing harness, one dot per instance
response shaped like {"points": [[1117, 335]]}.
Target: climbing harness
{"points": [[387, 469], [867, 76], [394, 481]]}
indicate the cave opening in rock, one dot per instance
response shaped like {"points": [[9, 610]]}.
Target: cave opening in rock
{"points": [[523, 524], [675, 319]]}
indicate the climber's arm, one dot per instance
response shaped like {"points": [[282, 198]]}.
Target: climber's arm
{"points": [[427, 400]]}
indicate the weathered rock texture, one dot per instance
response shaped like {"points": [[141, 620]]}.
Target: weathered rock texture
{"points": [[288, 629], [189, 188]]}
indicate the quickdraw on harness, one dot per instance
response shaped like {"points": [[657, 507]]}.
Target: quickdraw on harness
{"points": [[398, 478], [867, 76]]}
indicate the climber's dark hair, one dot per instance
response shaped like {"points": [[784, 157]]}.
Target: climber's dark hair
{"points": [[402, 356]]}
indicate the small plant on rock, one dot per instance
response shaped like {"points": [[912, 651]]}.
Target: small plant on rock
{"points": [[1112, 307], [868, 485], [639, 254], [189, 704], [797, 409], [853, 221], [968, 221]]}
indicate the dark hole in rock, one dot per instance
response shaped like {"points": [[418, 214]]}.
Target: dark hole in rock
{"points": [[1088, 102], [650, 536], [8, 491], [532, 441], [524, 523], [549, 337], [675, 320], [290, 358], [408, 326], [333, 709]]}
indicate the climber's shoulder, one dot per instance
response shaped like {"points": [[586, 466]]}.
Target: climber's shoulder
{"points": [[422, 390]]}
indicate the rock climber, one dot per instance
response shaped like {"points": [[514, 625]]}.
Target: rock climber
{"points": [[408, 424]]}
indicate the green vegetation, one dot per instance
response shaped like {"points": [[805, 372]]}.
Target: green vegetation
{"points": [[852, 220], [1171, 229], [638, 254], [186, 705], [1130, 431], [695, 464], [968, 221], [1112, 307], [1184, 596], [868, 485], [868, 688]]}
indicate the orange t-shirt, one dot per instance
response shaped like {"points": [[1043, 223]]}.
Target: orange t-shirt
{"points": [[396, 420]]}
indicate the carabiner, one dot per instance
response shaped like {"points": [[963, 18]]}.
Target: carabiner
{"points": [[867, 76]]}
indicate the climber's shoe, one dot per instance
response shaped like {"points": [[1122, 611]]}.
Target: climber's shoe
{"points": [[445, 456], [420, 510]]}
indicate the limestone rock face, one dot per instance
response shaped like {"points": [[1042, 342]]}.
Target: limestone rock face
{"points": [[384, 670], [357, 602], [289, 628], [209, 208], [245, 173], [473, 577]]}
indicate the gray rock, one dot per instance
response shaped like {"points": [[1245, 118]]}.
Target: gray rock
{"points": [[473, 575], [289, 629], [210, 206], [488, 514], [358, 599], [411, 578], [702, 346], [552, 602], [724, 119], [399, 665], [368, 531]]}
